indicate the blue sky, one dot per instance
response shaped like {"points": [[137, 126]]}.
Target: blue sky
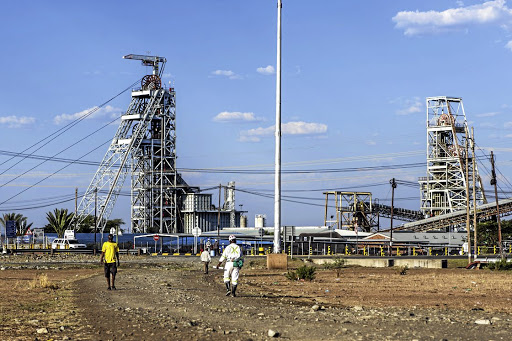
{"points": [[355, 78]]}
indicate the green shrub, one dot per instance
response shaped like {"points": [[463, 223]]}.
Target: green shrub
{"points": [[306, 272], [337, 264], [292, 276], [303, 272], [500, 265]]}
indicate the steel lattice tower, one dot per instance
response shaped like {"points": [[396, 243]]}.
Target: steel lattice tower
{"points": [[443, 190], [144, 145]]}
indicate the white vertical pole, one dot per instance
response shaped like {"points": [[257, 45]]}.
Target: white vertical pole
{"points": [[277, 189], [475, 247], [162, 146]]}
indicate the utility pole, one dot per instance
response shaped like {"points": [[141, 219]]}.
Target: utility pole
{"points": [[493, 182], [468, 229], [393, 186], [218, 214], [76, 207], [277, 175], [162, 147], [475, 245], [95, 216]]}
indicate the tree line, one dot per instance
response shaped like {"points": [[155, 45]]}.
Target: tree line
{"points": [[58, 221]]}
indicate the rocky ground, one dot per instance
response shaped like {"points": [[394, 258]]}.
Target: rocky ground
{"points": [[171, 299]]}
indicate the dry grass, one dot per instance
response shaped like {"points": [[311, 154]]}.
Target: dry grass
{"points": [[385, 287], [42, 281], [34, 298]]}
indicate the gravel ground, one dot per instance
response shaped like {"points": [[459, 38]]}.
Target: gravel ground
{"points": [[171, 299]]}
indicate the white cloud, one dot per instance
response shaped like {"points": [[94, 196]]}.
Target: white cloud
{"points": [[93, 112], [16, 122], [487, 125], [416, 22], [268, 70], [508, 125], [94, 73], [497, 149], [488, 114], [303, 128], [248, 138], [236, 116], [408, 106], [290, 128], [226, 73], [509, 45]]}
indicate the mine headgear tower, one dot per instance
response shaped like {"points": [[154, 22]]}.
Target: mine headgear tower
{"points": [[144, 145], [443, 190]]}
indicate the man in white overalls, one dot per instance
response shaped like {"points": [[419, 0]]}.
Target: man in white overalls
{"points": [[231, 254]]}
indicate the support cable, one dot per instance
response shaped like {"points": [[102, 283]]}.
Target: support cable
{"points": [[46, 177], [62, 130]]}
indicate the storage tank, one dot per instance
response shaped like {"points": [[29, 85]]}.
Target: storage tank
{"points": [[243, 221], [259, 220]]}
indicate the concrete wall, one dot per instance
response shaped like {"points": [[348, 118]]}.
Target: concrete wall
{"points": [[387, 262], [421, 263]]}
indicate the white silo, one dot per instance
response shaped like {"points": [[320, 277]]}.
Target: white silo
{"points": [[260, 220], [243, 221]]}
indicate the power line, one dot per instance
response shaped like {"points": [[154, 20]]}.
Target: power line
{"points": [[62, 130], [304, 171], [73, 144], [66, 166]]}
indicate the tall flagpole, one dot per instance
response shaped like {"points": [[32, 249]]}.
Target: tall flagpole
{"points": [[277, 189]]}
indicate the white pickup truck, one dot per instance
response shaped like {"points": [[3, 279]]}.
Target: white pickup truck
{"points": [[64, 243]]}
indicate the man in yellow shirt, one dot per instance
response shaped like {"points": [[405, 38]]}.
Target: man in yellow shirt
{"points": [[110, 253]]}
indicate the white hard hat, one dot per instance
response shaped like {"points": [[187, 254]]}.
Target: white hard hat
{"points": [[232, 237]]}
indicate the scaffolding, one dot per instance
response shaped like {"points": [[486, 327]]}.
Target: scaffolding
{"points": [[443, 190]]}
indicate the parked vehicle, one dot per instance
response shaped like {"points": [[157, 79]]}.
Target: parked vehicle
{"points": [[63, 243]]}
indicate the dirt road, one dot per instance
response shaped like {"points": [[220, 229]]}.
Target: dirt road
{"points": [[168, 300]]}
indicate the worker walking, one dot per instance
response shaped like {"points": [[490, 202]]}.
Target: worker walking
{"points": [[233, 256], [110, 253], [206, 259]]}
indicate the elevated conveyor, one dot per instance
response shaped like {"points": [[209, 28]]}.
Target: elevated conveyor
{"points": [[398, 213], [483, 212]]}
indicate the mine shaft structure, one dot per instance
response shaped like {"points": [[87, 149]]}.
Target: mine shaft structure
{"points": [[352, 210], [144, 146], [357, 211], [443, 190]]}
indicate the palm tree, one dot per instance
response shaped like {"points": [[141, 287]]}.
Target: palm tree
{"points": [[23, 226], [114, 223], [59, 220], [21, 222], [86, 225]]}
